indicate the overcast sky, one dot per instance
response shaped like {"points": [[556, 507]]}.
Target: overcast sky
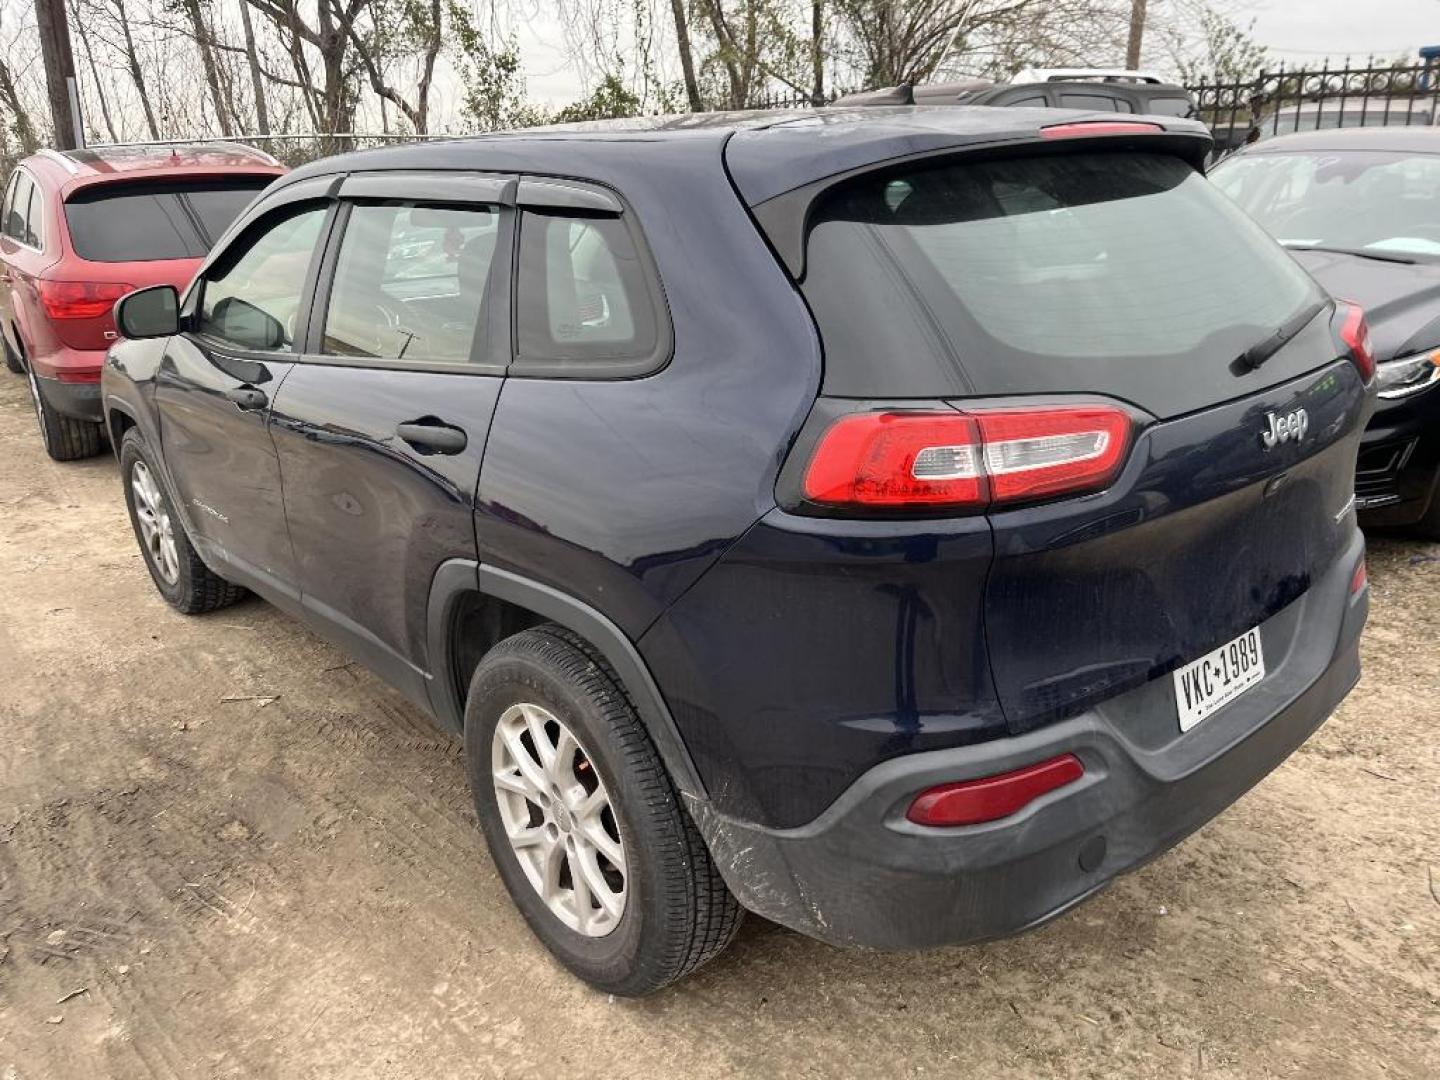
{"points": [[1310, 30], [1299, 31]]}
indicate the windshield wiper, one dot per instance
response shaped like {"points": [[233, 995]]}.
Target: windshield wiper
{"points": [[1265, 348], [1378, 256]]}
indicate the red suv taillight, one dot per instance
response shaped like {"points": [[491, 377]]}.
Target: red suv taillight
{"points": [[973, 802], [922, 460], [80, 299], [1355, 332]]}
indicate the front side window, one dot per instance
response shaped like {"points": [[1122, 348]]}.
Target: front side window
{"points": [[252, 294], [411, 282], [583, 296], [1347, 200]]}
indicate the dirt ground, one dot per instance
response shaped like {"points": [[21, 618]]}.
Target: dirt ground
{"points": [[292, 884]]}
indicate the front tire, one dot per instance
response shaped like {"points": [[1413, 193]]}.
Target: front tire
{"points": [[186, 583], [585, 826]]}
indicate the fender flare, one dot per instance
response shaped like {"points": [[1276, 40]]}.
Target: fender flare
{"points": [[459, 576]]}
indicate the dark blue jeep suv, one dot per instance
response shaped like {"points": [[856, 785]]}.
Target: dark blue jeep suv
{"points": [[895, 522]]}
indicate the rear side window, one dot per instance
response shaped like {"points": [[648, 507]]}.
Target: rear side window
{"points": [[135, 223], [585, 299], [1170, 106], [1097, 102], [1115, 273], [411, 282], [34, 224], [18, 209]]}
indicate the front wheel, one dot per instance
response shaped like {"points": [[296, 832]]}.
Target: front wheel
{"points": [[186, 583], [583, 821]]}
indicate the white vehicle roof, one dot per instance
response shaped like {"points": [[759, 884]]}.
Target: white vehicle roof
{"points": [[1036, 75]]}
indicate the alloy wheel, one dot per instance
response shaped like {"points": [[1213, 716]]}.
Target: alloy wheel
{"points": [[558, 819], [157, 529]]}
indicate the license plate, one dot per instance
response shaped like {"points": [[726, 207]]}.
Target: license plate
{"points": [[1218, 678]]}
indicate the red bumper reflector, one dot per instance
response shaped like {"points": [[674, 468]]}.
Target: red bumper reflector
{"points": [[1085, 128], [68, 375], [1360, 578], [970, 802]]}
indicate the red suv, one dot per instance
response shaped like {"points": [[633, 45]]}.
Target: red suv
{"points": [[79, 230]]}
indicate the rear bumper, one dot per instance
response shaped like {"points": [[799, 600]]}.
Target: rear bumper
{"points": [[78, 400], [861, 874]]}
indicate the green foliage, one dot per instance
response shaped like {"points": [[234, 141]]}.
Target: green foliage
{"points": [[492, 89], [1228, 52], [610, 100]]}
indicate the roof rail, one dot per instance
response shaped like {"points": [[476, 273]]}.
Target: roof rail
{"points": [[233, 143], [63, 160], [1038, 75]]}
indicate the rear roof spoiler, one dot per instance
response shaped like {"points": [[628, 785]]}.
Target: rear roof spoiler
{"points": [[785, 218]]}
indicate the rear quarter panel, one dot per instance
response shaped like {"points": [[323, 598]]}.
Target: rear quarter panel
{"points": [[622, 492]]}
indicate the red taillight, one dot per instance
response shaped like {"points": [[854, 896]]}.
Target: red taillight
{"points": [[931, 459], [971, 802], [898, 459], [1030, 453], [1355, 332], [1085, 128], [1359, 579], [80, 299], [71, 375]]}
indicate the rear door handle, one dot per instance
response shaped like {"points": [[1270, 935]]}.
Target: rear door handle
{"points": [[431, 436], [248, 398]]}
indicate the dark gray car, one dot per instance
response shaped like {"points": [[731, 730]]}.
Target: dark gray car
{"points": [[1360, 209]]}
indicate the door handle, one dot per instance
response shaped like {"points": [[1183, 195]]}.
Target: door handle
{"points": [[431, 436], [248, 398]]}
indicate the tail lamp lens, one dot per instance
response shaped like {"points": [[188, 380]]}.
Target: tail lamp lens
{"points": [[931, 459], [80, 299], [898, 459], [1355, 332], [972, 802]]}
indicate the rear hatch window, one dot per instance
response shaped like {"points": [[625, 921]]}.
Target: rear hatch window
{"points": [[1124, 274], [142, 223]]}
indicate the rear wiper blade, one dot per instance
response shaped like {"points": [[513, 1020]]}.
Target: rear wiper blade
{"points": [[1363, 253], [1265, 348]]}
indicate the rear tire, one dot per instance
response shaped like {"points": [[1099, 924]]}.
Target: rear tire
{"points": [[674, 911], [12, 359], [186, 583], [65, 438]]}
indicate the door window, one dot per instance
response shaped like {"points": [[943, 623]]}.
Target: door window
{"points": [[252, 294], [411, 282], [1098, 102], [19, 208], [9, 202], [34, 233], [584, 296]]}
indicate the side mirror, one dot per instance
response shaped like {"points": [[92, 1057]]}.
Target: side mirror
{"points": [[148, 313]]}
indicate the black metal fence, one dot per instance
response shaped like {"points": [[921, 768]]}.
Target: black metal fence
{"points": [[1279, 102]]}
